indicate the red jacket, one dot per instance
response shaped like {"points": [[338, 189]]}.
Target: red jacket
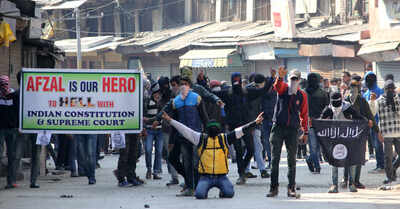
{"points": [[291, 110]]}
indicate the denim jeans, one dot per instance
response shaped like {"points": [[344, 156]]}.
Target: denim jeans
{"points": [[257, 151], [314, 148], [206, 182], [335, 171], [14, 152], [87, 145], [154, 137], [267, 146], [380, 162]]}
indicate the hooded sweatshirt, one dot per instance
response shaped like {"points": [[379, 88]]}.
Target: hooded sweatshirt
{"points": [[375, 89]]}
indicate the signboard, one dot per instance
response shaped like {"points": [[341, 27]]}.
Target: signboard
{"points": [[80, 101], [342, 141], [283, 18]]}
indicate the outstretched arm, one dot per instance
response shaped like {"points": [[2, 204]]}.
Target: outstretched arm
{"points": [[188, 133], [240, 131]]}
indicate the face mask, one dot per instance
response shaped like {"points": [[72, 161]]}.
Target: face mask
{"points": [[354, 91], [390, 94], [337, 103], [293, 86], [213, 131]]}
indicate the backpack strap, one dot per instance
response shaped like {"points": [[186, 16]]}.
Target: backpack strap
{"points": [[224, 147]]}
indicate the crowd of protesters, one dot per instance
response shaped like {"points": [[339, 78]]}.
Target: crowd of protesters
{"points": [[197, 126]]}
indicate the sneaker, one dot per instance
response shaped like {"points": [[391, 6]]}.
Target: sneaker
{"points": [[124, 184], [387, 181], [139, 180], [135, 182], [156, 177], [92, 181], [359, 185], [11, 186], [250, 175], [353, 188], [265, 174], [173, 181], [343, 184], [148, 174], [74, 175], [371, 156], [186, 193], [291, 192], [377, 171], [333, 189], [34, 186], [241, 180]]}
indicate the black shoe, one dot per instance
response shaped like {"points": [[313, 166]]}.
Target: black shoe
{"points": [[98, 165], [173, 181], [101, 157], [156, 177], [310, 164], [317, 171], [135, 182], [249, 175], [11, 186], [241, 180], [387, 181], [73, 175], [34, 186], [92, 181], [273, 192], [265, 174], [359, 185]]}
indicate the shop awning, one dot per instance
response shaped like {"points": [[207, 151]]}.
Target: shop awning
{"points": [[211, 58], [380, 52]]}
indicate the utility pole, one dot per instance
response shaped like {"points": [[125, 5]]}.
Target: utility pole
{"points": [[78, 39]]}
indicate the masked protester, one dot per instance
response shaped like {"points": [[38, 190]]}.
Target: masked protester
{"points": [[291, 113], [239, 101], [318, 99], [373, 93], [341, 110], [360, 105], [212, 148], [9, 106], [388, 107]]}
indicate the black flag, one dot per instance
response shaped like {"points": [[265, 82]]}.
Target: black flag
{"points": [[342, 141]]}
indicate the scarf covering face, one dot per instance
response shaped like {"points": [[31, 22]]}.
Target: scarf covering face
{"points": [[390, 94], [4, 85], [313, 82], [293, 86]]}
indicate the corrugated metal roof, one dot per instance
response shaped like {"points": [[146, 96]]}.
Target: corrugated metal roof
{"points": [[90, 44], [378, 47], [188, 38], [65, 5], [331, 30], [207, 53]]}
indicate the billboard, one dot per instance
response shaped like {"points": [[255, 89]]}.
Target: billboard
{"points": [[75, 101]]}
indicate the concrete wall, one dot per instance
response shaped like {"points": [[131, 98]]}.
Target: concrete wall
{"points": [[379, 21]]}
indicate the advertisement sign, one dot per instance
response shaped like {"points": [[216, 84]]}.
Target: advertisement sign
{"points": [[75, 101]]}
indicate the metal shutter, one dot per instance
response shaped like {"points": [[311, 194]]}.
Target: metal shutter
{"points": [[301, 64]]}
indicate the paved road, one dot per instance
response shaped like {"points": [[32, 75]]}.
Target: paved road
{"points": [[106, 194]]}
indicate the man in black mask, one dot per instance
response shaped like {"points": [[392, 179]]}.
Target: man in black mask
{"points": [[318, 99], [237, 106], [360, 105], [388, 107], [212, 148], [341, 110]]}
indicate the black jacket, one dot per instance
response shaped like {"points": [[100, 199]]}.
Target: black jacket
{"points": [[9, 111]]}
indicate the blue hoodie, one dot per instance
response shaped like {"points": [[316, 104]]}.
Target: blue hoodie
{"points": [[375, 89]]}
